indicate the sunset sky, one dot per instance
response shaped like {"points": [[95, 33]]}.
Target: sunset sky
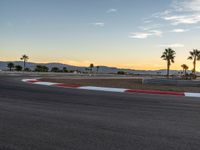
{"points": [[120, 33]]}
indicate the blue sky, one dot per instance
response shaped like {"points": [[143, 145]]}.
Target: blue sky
{"points": [[122, 33]]}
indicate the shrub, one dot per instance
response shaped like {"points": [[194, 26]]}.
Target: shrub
{"points": [[40, 68], [27, 69], [121, 72], [55, 69], [18, 68]]}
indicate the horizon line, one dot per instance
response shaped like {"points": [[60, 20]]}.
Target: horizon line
{"points": [[94, 66]]}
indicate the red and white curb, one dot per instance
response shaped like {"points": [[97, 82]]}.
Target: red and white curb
{"points": [[106, 89]]}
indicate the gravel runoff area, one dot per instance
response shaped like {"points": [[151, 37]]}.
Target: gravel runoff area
{"points": [[121, 83]]}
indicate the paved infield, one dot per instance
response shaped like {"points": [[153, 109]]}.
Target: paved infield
{"points": [[50, 118]]}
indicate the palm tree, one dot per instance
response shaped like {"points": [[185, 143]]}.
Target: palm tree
{"points": [[10, 65], [91, 67], [169, 56], [86, 69], [185, 68], [25, 59], [98, 68], [195, 56]]}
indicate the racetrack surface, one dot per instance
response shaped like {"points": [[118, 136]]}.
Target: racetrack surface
{"points": [[34, 117]]}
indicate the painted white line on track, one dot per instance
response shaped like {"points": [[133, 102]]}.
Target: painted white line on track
{"points": [[45, 83], [119, 90], [192, 94]]}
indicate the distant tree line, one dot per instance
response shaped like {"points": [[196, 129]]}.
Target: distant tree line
{"points": [[42, 68], [39, 68], [91, 68], [12, 66]]}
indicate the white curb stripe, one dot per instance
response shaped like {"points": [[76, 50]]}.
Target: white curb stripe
{"points": [[45, 83], [28, 80], [192, 94], [119, 90]]}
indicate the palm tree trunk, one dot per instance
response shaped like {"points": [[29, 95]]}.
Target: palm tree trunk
{"points": [[185, 72], [24, 64], [194, 70], [91, 69], [168, 65]]}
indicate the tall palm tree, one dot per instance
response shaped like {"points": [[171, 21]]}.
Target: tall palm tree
{"points": [[25, 59], [10, 65], [185, 68], [91, 67], [98, 68], [195, 56], [169, 56]]}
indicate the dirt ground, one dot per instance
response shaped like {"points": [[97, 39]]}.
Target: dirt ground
{"points": [[122, 83]]}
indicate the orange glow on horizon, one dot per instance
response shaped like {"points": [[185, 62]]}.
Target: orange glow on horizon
{"points": [[157, 65]]}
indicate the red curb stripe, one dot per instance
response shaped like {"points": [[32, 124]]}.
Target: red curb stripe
{"points": [[67, 86], [156, 92]]}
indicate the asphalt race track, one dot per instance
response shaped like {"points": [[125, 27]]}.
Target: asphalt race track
{"points": [[34, 117]]}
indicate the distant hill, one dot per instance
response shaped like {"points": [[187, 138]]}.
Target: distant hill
{"points": [[31, 65], [102, 69]]}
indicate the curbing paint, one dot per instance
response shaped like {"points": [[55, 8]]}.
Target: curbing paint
{"points": [[45, 83], [94, 88], [192, 94], [66, 86], [29, 80], [107, 89], [156, 92]]}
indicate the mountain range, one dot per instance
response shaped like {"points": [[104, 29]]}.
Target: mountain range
{"points": [[102, 69]]}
